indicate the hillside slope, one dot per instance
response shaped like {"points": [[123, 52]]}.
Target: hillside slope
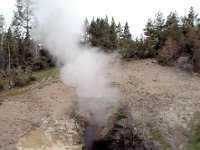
{"points": [[164, 104], [164, 101]]}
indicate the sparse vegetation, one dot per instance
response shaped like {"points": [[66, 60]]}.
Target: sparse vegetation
{"points": [[1, 87], [18, 50], [157, 137], [46, 73], [194, 142], [24, 80], [152, 95], [166, 40]]}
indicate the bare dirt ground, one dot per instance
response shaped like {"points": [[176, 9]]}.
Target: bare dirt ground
{"points": [[23, 113], [164, 104]]}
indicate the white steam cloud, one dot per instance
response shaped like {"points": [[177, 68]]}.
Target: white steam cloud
{"points": [[85, 68]]}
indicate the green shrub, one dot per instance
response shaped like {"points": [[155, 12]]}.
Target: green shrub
{"points": [[196, 56], [164, 60], [128, 53], [36, 65], [194, 142], [32, 77], [23, 80], [40, 63]]}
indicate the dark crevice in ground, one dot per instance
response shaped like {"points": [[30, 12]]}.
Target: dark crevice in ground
{"points": [[122, 136]]}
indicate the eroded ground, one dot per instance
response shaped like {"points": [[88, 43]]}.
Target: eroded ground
{"points": [[163, 101], [27, 112], [164, 104]]}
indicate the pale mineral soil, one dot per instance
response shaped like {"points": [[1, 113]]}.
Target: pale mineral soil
{"points": [[163, 102], [23, 113]]}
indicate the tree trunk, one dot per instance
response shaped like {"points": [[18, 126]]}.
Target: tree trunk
{"points": [[9, 67]]}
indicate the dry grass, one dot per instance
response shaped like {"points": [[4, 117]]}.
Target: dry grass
{"points": [[13, 92]]}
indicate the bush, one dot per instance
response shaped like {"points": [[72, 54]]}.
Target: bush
{"points": [[41, 63], [196, 56], [23, 80], [1, 82], [32, 77], [1, 87], [169, 52], [37, 64], [128, 53], [162, 60], [132, 53]]}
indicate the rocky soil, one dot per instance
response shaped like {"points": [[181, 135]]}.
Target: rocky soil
{"points": [[163, 103]]}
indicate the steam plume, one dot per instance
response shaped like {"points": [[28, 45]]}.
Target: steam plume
{"points": [[85, 68]]}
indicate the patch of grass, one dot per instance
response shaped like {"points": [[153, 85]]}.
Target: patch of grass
{"points": [[45, 73], [39, 75], [121, 114], [194, 142], [13, 92], [157, 137]]}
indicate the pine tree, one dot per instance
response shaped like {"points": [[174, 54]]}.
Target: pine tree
{"points": [[104, 33], [155, 31], [191, 20], [17, 24], [8, 48], [2, 29], [85, 32], [21, 26], [159, 30], [172, 26], [109, 36], [126, 36], [113, 35], [93, 32], [149, 28], [119, 31], [99, 32], [17, 27], [159, 22]]}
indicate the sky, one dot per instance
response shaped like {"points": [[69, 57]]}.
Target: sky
{"points": [[136, 12], [6, 8]]}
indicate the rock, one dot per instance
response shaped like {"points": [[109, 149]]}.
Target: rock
{"points": [[154, 61], [147, 54], [52, 135], [183, 62], [188, 67]]}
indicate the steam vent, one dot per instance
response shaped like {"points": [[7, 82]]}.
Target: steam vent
{"points": [[83, 132], [118, 133]]}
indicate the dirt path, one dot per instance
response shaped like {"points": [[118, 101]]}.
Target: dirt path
{"points": [[164, 104]]}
